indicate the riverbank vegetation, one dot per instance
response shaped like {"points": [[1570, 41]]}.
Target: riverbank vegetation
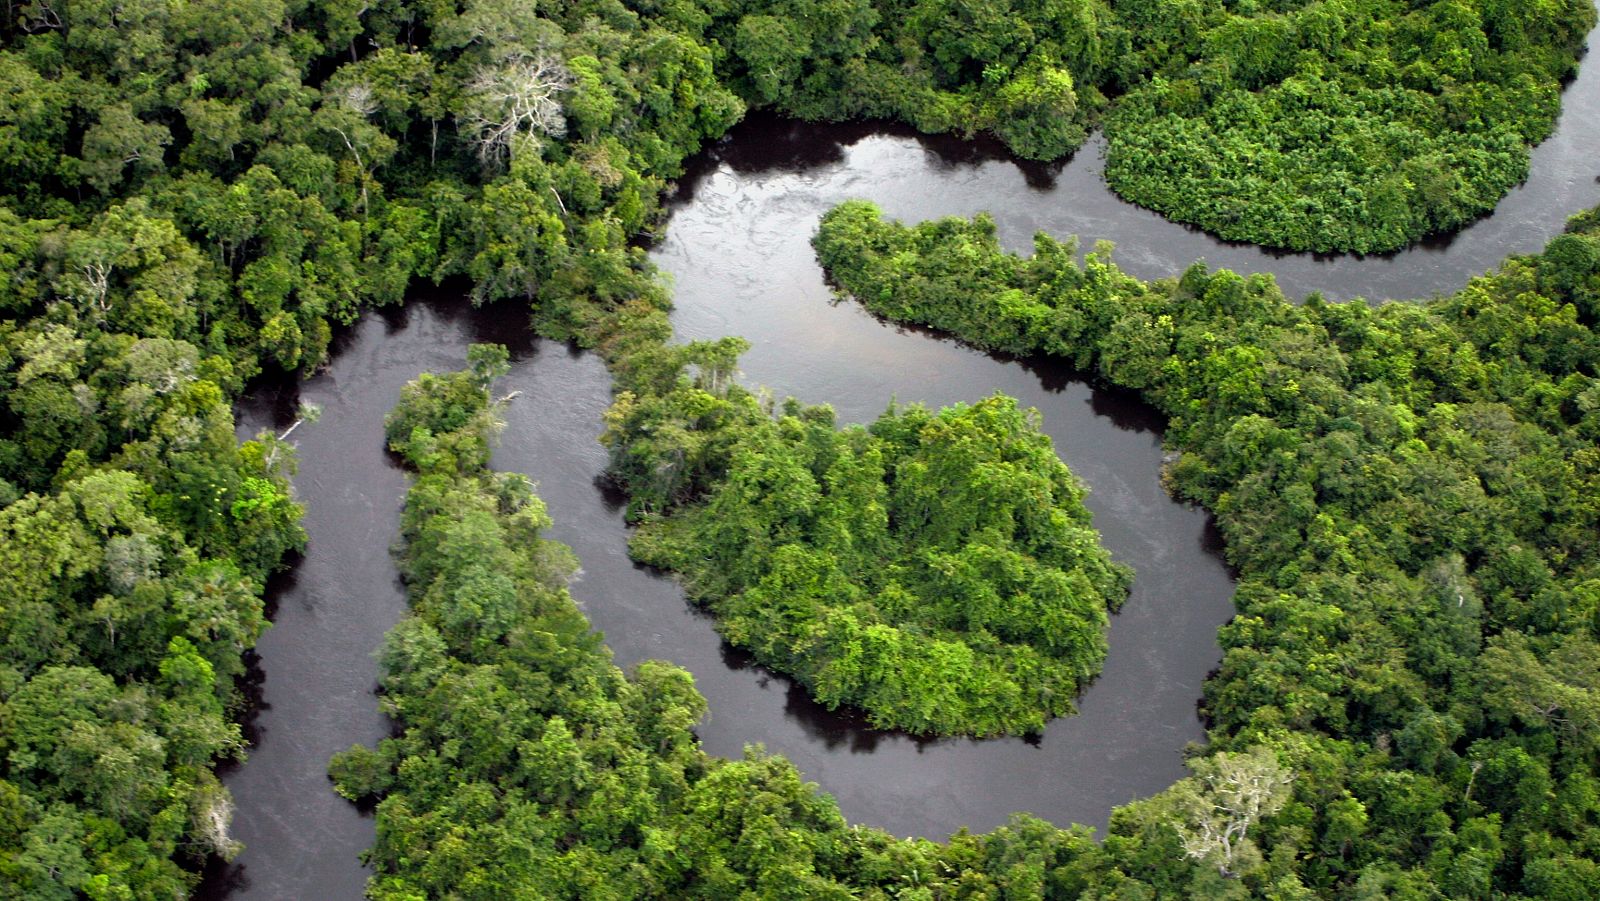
{"points": [[937, 570], [1324, 125], [135, 538], [528, 765], [1354, 125], [193, 195], [1410, 495], [1403, 709]]}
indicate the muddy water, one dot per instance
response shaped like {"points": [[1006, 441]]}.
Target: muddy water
{"points": [[737, 250]]}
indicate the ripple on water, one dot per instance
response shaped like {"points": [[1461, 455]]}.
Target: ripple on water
{"points": [[738, 249]]}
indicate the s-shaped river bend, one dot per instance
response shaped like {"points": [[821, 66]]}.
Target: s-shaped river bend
{"points": [[737, 248]]}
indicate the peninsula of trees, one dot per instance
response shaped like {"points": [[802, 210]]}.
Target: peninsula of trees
{"points": [[1411, 494], [937, 570], [527, 765], [194, 194]]}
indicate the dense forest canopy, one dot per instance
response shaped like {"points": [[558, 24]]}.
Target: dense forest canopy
{"points": [[193, 194], [527, 765], [937, 570], [1406, 706], [1411, 494], [1337, 126]]}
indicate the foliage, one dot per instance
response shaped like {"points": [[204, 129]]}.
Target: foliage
{"points": [[1409, 494], [937, 570], [1349, 125], [113, 776], [1354, 125], [193, 195], [130, 593], [527, 765]]}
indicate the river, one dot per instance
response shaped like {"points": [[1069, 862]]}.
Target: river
{"points": [[737, 249]]}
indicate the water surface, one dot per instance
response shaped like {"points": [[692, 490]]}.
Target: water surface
{"points": [[737, 248], [315, 671], [782, 167]]}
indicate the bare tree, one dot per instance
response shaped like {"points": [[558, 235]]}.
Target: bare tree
{"points": [[91, 259], [97, 276], [357, 103], [39, 16], [520, 97], [212, 814], [308, 412], [1228, 794]]}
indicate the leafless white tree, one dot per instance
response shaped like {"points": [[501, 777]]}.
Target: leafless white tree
{"points": [[213, 814], [1227, 795], [91, 259], [520, 97], [97, 278], [358, 100]]}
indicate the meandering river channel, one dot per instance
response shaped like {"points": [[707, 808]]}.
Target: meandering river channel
{"points": [[737, 249]]}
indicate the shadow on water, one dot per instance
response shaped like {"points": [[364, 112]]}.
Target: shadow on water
{"points": [[916, 177], [738, 250]]}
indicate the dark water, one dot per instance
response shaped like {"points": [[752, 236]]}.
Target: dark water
{"points": [[791, 172], [737, 249], [329, 613], [1135, 719], [302, 840]]}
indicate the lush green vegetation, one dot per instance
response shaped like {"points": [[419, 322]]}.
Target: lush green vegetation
{"points": [[529, 766], [135, 537], [937, 570], [1030, 72], [1337, 124], [1355, 125], [195, 194], [1412, 496], [1407, 703]]}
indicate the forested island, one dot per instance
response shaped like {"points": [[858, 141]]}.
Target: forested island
{"points": [[937, 570], [194, 195]]}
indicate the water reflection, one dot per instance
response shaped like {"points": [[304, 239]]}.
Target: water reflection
{"points": [[738, 248], [916, 177]]}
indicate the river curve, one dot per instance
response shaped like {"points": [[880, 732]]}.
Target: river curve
{"points": [[737, 248]]}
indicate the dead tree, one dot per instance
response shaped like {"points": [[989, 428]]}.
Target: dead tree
{"points": [[518, 98]]}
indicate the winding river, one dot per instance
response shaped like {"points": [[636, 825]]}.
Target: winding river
{"points": [[737, 248]]}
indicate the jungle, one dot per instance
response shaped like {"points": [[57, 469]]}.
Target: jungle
{"points": [[197, 195]]}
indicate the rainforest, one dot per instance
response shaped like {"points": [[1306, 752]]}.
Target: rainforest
{"points": [[200, 201]]}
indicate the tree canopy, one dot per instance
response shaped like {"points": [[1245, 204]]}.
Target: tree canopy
{"points": [[937, 570], [1337, 125], [193, 195], [527, 765], [1409, 494]]}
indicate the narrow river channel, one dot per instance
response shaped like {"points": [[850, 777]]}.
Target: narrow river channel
{"points": [[737, 249]]}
